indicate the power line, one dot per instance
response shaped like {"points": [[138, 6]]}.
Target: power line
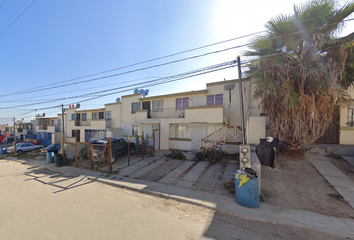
{"points": [[209, 45], [131, 85], [151, 60], [17, 17], [131, 71], [3, 3], [153, 66]]}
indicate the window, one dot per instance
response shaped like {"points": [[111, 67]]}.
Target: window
{"points": [[108, 115], [157, 105], [215, 99], [182, 103], [135, 130], [101, 115], [84, 117], [73, 133], [51, 122], [181, 131], [350, 122], [95, 115], [73, 116], [135, 106], [59, 121]]}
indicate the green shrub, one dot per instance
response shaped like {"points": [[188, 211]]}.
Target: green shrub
{"points": [[175, 154], [139, 145], [211, 155]]}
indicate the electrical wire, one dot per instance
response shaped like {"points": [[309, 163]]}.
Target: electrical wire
{"points": [[16, 18], [131, 85], [3, 3]]}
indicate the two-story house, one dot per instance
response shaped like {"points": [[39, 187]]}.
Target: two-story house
{"points": [[182, 120]]}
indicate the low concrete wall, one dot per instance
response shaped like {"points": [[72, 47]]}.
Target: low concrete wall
{"points": [[256, 165]]}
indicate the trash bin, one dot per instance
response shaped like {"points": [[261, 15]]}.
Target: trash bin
{"points": [[266, 151], [247, 194], [50, 157], [58, 159]]}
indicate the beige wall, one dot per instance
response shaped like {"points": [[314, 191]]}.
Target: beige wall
{"points": [[207, 114], [115, 108], [250, 105], [346, 132], [256, 129], [127, 116], [180, 145]]}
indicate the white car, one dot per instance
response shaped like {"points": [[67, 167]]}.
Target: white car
{"points": [[23, 147]]}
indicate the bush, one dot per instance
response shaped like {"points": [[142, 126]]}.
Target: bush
{"points": [[212, 156], [139, 145], [175, 154]]}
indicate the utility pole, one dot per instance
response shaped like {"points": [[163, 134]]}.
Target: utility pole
{"points": [[62, 122], [241, 99], [14, 136]]}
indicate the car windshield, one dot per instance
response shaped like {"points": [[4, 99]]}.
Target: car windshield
{"points": [[18, 144]]}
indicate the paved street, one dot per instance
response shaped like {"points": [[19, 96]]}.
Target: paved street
{"points": [[42, 204]]}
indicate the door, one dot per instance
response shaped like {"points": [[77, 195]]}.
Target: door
{"points": [[146, 106], [198, 133], [78, 135], [331, 135]]}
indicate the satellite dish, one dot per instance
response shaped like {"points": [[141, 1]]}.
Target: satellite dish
{"points": [[118, 100], [136, 91], [78, 105], [145, 92], [141, 90], [229, 87], [43, 115]]}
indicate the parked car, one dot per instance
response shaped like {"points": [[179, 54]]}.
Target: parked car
{"points": [[23, 147], [55, 147], [119, 148]]}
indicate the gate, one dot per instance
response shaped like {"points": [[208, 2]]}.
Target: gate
{"points": [[93, 156], [331, 135]]}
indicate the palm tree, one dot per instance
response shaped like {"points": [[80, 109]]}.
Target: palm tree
{"points": [[302, 70]]}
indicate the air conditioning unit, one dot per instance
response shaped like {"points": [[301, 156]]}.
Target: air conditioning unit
{"points": [[245, 156]]}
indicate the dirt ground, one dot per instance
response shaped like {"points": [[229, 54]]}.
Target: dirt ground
{"points": [[296, 184]]}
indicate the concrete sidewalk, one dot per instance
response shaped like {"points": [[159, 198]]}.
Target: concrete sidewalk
{"points": [[339, 226]]}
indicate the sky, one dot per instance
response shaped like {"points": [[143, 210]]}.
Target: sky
{"points": [[97, 48]]}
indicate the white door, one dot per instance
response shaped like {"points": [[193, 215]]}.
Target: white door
{"points": [[198, 133]]}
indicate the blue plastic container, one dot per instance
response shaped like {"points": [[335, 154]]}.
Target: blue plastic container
{"points": [[3, 151], [248, 194], [50, 157]]}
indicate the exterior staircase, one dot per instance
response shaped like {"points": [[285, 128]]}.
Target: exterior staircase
{"points": [[225, 134]]}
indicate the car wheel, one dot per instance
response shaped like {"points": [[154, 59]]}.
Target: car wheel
{"points": [[19, 151]]}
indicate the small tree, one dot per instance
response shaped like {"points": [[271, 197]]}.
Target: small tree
{"points": [[139, 144]]}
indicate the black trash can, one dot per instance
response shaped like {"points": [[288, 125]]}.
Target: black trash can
{"points": [[266, 152], [58, 159]]}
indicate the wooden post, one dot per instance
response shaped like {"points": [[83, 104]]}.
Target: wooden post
{"points": [[15, 137], [159, 135], [76, 153], [142, 142], [63, 135], [128, 151], [109, 155], [91, 157], [153, 136]]}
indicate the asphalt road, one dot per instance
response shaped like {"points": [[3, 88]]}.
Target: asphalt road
{"points": [[41, 204]]}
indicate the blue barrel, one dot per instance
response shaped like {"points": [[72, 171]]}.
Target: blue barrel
{"points": [[248, 194], [3, 151], [50, 157]]}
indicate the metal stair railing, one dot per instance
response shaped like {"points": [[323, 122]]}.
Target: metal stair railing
{"points": [[219, 137]]}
